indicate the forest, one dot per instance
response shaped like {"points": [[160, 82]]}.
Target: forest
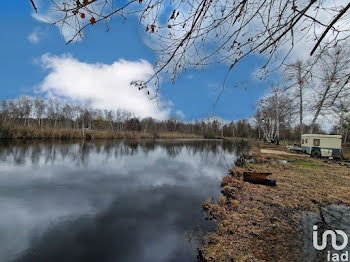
{"points": [[33, 117]]}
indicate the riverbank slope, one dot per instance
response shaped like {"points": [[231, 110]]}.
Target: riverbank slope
{"points": [[262, 223]]}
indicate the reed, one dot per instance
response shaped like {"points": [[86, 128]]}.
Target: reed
{"points": [[23, 132]]}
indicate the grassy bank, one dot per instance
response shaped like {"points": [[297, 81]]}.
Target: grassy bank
{"points": [[261, 223], [21, 132]]}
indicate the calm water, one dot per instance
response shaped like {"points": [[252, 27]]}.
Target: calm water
{"points": [[108, 200]]}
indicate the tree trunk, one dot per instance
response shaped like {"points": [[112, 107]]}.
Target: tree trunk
{"points": [[277, 118], [145, 127], [319, 107], [301, 109]]}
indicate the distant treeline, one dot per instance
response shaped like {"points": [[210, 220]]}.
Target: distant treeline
{"points": [[28, 117]]}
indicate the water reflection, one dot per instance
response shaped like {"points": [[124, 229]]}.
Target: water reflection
{"points": [[107, 200], [79, 152]]}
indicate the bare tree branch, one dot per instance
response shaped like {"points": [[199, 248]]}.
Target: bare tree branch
{"points": [[341, 13], [34, 6]]}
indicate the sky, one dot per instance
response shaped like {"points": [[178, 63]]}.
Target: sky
{"points": [[36, 61]]}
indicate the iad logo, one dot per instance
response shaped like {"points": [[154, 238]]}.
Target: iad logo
{"points": [[333, 239], [333, 235]]}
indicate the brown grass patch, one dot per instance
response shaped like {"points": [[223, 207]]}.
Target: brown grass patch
{"points": [[24, 132], [256, 221]]}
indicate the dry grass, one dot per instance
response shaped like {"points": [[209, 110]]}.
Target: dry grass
{"points": [[234, 139], [170, 135], [278, 152], [22, 132], [255, 222]]}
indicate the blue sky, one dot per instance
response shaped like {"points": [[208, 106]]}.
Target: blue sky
{"points": [[193, 93]]}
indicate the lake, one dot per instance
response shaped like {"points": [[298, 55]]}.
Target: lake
{"points": [[108, 200]]}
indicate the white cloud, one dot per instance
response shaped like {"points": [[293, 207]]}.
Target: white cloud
{"points": [[102, 85], [180, 114], [34, 37]]}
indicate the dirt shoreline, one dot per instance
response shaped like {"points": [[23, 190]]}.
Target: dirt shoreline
{"points": [[262, 223]]}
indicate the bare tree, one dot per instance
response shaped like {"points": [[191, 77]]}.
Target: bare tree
{"points": [[25, 104], [172, 123], [75, 115], [5, 111], [67, 113], [259, 121], [273, 114], [39, 107], [342, 111], [199, 33], [345, 125], [148, 123], [332, 81], [109, 117], [14, 111], [54, 111], [299, 75]]}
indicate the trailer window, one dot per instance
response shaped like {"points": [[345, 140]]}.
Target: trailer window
{"points": [[302, 141], [316, 142], [306, 141]]}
